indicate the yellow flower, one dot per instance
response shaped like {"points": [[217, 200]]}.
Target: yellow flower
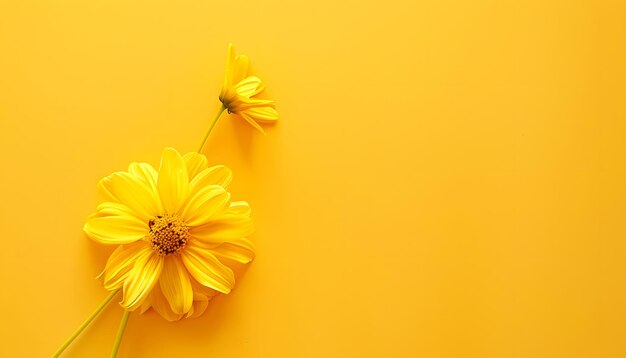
{"points": [[173, 226], [239, 91]]}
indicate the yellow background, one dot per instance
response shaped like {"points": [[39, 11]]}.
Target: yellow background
{"points": [[448, 178]]}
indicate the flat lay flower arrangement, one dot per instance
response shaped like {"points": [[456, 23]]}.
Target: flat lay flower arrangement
{"points": [[174, 224]]}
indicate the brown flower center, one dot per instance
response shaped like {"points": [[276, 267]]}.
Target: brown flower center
{"points": [[168, 234]]}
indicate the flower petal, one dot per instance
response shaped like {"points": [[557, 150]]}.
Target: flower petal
{"points": [[250, 86], [175, 285], [201, 297], [195, 163], [136, 194], [239, 208], [207, 202], [110, 208], [145, 305], [234, 215], [141, 279], [120, 262], [161, 306], [228, 73], [263, 114], [200, 303], [146, 172], [173, 182], [203, 290], [245, 103], [241, 250], [216, 175], [106, 190], [207, 269], [241, 68], [115, 229], [226, 228], [251, 121]]}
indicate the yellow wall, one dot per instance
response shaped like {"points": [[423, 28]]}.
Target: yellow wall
{"points": [[448, 178]]}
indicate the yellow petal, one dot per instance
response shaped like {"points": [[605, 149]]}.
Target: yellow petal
{"points": [[231, 61], [207, 202], [241, 68], [241, 250], [105, 189], [229, 227], [136, 194], [120, 262], [263, 114], [109, 208], [203, 290], [173, 182], [161, 306], [115, 229], [207, 269], [234, 215], [251, 121], [216, 175], [195, 163], [200, 303], [239, 208], [176, 286], [141, 279], [145, 305], [228, 73], [202, 295], [249, 86], [242, 104], [146, 172]]}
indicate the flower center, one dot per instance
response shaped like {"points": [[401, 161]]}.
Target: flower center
{"points": [[168, 234]]}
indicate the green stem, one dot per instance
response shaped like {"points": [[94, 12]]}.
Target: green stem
{"points": [[206, 136], [85, 324], [120, 333]]}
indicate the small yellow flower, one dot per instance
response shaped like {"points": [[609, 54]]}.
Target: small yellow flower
{"points": [[172, 226], [239, 91]]}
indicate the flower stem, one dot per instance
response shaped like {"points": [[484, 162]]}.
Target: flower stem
{"points": [[206, 136], [85, 324], [120, 333]]}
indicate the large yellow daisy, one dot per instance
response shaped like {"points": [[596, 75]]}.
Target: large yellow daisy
{"points": [[239, 92], [173, 227]]}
